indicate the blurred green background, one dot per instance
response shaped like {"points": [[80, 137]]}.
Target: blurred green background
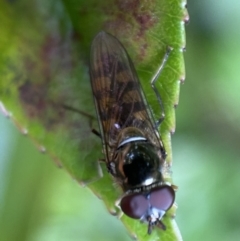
{"points": [[206, 153]]}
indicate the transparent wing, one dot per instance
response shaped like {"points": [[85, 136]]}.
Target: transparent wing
{"points": [[119, 100]]}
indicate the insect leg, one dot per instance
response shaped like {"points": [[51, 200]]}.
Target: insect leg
{"points": [[90, 117], [155, 77], [95, 132], [67, 107]]}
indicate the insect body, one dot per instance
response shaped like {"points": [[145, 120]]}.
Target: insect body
{"points": [[134, 152]]}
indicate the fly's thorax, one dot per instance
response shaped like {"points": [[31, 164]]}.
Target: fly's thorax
{"points": [[137, 163]]}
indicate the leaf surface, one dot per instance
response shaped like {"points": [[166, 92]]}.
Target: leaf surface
{"points": [[44, 60]]}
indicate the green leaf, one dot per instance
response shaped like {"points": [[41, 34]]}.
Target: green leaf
{"points": [[44, 58]]}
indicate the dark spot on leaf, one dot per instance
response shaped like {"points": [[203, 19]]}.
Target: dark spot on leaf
{"points": [[37, 105], [130, 5], [33, 95], [11, 1], [132, 18], [145, 20], [140, 13]]}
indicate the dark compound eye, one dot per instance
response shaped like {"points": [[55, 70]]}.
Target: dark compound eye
{"points": [[162, 197], [134, 206]]}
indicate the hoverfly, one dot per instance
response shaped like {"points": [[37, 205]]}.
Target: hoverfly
{"points": [[134, 151]]}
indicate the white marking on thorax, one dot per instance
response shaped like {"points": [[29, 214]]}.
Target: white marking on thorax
{"points": [[148, 181], [131, 139]]}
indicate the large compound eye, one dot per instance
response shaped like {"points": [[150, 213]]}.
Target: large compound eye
{"points": [[162, 197], [134, 206]]}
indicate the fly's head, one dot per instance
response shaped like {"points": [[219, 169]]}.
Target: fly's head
{"points": [[147, 197], [149, 204]]}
